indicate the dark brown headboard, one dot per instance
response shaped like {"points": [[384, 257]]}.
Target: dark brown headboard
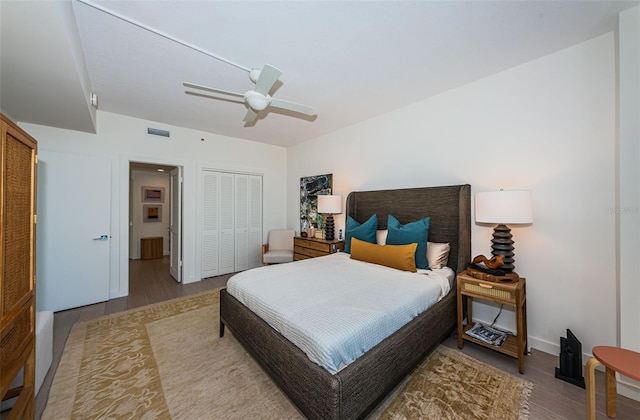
{"points": [[449, 208]]}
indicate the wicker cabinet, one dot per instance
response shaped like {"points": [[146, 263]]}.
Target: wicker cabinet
{"points": [[17, 285], [304, 248]]}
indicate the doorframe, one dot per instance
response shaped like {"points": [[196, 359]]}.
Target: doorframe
{"points": [[188, 224]]}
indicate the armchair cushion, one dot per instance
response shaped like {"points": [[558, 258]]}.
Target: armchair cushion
{"points": [[280, 247]]}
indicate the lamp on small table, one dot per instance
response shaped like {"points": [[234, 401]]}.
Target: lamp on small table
{"points": [[502, 208], [329, 205]]}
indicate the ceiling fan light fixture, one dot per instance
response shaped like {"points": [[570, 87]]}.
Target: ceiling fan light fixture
{"points": [[256, 101]]}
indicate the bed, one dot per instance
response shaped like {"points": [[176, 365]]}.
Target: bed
{"points": [[359, 387]]}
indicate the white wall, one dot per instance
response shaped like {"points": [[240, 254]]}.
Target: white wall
{"points": [[124, 139], [548, 126], [628, 209], [141, 229]]}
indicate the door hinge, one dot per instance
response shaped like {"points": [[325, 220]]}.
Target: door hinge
{"points": [[35, 159], [35, 219]]}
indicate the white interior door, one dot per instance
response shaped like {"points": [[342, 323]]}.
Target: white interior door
{"points": [[175, 228], [73, 228]]}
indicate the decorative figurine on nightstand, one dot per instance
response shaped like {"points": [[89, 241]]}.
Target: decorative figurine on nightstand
{"points": [[493, 263], [489, 269]]}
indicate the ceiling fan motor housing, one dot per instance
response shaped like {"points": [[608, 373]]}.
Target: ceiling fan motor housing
{"points": [[257, 101]]}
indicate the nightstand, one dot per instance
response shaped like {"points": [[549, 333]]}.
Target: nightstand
{"points": [[507, 293], [304, 248]]}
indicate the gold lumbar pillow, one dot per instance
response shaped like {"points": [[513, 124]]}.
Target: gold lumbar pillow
{"points": [[401, 257]]}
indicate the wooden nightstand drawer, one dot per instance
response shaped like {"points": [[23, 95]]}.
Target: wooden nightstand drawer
{"points": [[490, 290], [304, 248], [310, 252], [312, 244]]}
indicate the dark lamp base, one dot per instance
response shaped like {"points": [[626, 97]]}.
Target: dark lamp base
{"points": [[329, 230], [502, 244]]}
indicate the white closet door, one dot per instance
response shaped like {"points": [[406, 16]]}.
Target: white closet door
{"points": [[255, 221], [227, 223], [242, 222], [210, 230]]}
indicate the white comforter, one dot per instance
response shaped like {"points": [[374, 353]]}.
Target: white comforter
{"points": [[334, 308]]}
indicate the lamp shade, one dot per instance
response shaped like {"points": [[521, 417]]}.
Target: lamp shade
{"points": [[504, 207], [331, 204]]}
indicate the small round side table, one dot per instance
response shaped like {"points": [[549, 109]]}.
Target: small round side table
{"points": [[614, 359]]}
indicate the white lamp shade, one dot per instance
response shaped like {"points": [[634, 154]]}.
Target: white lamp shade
{"points": [[504, 207], [330, 204]]}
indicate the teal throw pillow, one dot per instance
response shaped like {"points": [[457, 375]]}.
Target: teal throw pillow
{"points": [[414, 232], [364, 231]]}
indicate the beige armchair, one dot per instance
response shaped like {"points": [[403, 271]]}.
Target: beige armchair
{"points": [[279, 248]]}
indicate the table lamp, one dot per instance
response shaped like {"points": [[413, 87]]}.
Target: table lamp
{"points": [[504, 207], [329, 205]]}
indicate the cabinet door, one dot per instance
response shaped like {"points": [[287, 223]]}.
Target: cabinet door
{"points": [[17, 265], [255, 221], [17, 153], [210, 223]]}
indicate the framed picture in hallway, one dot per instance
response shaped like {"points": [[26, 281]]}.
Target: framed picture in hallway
{"points": [[151, 213], [153, 194]]}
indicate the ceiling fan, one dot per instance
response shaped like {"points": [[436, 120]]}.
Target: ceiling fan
{"points": [[258, 99]]}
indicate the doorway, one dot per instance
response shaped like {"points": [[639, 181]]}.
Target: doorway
{"points": [[155, 215]]}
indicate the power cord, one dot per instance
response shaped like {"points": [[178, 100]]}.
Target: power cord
{"points": [[497, 316]]}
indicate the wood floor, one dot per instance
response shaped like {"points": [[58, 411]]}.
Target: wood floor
{"points": [[150, 283]]}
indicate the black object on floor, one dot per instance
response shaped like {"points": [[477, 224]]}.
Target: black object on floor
{"points": [[570, 369]]}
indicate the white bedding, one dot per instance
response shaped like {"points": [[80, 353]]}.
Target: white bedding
{"points": [[334, 308]]}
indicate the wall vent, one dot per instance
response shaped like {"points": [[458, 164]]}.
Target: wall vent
{"points": [[158, 132]]}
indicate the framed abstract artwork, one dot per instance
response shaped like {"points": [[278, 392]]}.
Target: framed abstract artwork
{"points": [[310, 188], [151, 213], [153, 194]]}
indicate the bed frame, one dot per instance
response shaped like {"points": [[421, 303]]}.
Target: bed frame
{"points": [[357, 389]]}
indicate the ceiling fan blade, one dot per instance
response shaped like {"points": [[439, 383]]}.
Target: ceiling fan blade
{"points": [[268, 77], [250, 116], [210, 89], [292, 106]]}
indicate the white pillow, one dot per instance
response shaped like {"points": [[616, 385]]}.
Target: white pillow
{"points": [[437, 254], [381, 236]]}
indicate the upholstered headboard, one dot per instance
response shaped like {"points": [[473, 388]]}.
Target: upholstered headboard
{"points": [[449, 208]]}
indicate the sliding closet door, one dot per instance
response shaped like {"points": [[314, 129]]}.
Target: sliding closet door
{"points": [[232, 222], [255, 224], [210, 221], [227, 223], [242, 222]]}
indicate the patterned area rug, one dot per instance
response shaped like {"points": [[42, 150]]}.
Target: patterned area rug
{"points": [[452, 385], [167, 361]]}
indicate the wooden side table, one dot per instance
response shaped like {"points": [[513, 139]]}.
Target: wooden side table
{"points": [[304, 248], [615, 359], [151, 247], [507, 293]]}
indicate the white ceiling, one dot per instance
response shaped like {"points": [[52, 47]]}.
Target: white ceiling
{"points": [[352, 60]]}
